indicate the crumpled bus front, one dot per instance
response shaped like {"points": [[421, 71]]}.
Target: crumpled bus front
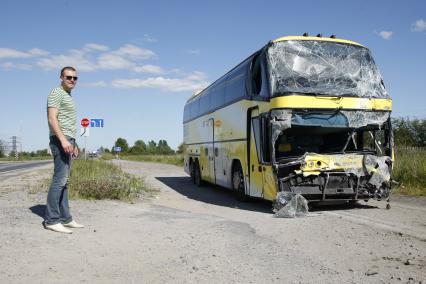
{"points": [[324, 155], [330, 123]]}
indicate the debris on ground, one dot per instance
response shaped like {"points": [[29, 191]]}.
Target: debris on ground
{"points": [[290, 205]]}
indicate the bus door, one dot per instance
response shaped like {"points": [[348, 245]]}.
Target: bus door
{"points": [[255, 167], [210, 171]]}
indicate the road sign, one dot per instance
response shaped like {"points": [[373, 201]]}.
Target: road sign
{"points": [[85, 122], [84, 132], [96, 122], [117, 149]]}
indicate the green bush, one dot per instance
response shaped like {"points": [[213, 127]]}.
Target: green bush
{"points": [[97, 179], [410, 170]]}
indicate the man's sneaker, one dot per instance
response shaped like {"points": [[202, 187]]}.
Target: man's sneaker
{"points": [[73, 224], [58, 228]]}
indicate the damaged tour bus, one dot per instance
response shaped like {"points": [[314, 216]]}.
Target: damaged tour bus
{"points": [[307, 115]]}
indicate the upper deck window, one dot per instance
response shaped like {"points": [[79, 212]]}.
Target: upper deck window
{"points": [[324, 68]]}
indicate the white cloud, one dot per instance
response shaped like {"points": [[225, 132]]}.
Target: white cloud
{"points": [[95, 46], [419, 26], [94, 57], [113, 62], [38, 52], [386, 34], [13, 53], [149, 69], [98, 84], [11, 65], [192, 82], [75, 59], [135, 52], [196, 76], [193, 51]]}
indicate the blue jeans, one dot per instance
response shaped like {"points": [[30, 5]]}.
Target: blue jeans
{"points": [[57, 208]]}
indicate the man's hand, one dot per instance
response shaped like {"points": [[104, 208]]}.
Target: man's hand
{"points": [[67, 146]]}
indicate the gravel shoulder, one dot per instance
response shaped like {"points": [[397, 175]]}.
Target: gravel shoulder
{"points": [[188, 234]]}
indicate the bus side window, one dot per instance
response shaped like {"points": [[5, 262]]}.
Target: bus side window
{"points": [[205, 103], [186, 113], [236, 82], [256, 76]]}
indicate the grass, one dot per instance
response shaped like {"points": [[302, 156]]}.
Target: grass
{"points": [[410, 171], [163, 159], [98, 179]]}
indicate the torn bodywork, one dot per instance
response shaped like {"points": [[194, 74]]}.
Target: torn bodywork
{"points": [[340, 155], [332, 153]]}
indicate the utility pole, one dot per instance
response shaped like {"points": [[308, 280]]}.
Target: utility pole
{"points": [[14, 145]]}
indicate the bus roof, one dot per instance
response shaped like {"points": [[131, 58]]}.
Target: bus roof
{"points": [[196, 93], [285, 38]]}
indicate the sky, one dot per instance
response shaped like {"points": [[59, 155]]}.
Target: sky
{"points": [[139, 61]]}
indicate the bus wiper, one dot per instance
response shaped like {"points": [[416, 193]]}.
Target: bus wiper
{"points": [[376, 143], [351, 136]]}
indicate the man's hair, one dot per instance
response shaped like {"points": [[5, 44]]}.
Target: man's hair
{"points": [[67, 68]]}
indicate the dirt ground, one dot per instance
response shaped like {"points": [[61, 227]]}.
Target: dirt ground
{"points": [[204, 235]]}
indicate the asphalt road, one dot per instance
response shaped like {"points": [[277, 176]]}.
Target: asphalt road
{"points": [[8, 169]]}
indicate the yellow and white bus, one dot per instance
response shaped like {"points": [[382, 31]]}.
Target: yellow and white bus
{"points": [[303, 114]]}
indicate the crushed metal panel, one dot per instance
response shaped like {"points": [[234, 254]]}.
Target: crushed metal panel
{"points": [[280, 120], [373, 172], [314, 163], [379, 168]]}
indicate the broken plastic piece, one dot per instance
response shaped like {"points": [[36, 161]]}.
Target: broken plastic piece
{"points": [[290, 205], [379, 168]]}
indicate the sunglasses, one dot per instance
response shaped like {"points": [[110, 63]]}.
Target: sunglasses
{"points": [[71, 77]]}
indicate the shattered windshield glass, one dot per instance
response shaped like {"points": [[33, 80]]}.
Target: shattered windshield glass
{"points": [[297, 141], [324, 68]]}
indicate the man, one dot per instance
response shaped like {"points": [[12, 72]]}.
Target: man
{"points": [[62, 119]]}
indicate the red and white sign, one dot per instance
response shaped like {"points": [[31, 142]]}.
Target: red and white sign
{"points": [[85, 122]]}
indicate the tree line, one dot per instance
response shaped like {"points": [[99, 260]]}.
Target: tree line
{"points": [[142, 148], [409, 132]]}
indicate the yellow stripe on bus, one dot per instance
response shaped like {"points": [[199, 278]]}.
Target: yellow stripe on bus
{"points": [[311, 102]]}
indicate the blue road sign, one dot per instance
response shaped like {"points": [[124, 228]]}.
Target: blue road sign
{"points": [[96, 122], [117, 149]]}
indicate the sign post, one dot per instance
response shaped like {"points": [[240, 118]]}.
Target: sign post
{"points": [[85, 123], [117, 150]]}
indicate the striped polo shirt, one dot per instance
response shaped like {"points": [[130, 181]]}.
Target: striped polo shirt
{"points": [[67, 115]]}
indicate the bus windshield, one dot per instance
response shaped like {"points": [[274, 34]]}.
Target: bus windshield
{"points": [[323, 68]]}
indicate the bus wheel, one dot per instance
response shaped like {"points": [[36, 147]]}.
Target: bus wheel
{"points": [[197, 174], [191, 172], [238, 182]]}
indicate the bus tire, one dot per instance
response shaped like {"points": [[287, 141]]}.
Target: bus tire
{"points": [[238, 182], [197, 174], [191, 171]]}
